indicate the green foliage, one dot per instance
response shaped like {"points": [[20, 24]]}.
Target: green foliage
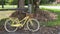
{"points": [[52, 0], [9, 2], [26, 2], [1, 2], [47, 1], [12, 2], [44, 2], [15, 2]]}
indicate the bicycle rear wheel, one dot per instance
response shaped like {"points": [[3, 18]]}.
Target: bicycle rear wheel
{"points": [[8, 26], [33, 25]]}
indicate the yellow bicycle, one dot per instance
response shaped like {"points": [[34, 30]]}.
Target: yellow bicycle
{"points": [[12, 24]]}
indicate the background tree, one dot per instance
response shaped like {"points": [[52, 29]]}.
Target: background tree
{"points": [[41, 14], [36, 4], [19, 13]]}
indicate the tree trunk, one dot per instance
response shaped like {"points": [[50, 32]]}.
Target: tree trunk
{"points": [[19, 13], [21, 3], [36, 5], [42, 15], [38, 13]]}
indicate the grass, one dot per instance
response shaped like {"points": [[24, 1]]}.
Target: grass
{"points": [[55, 22], [4, 15], [8, 6], [15, 6]]}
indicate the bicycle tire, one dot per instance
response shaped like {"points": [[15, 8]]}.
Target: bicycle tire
{"points": [[5, 26], [37, 22]]}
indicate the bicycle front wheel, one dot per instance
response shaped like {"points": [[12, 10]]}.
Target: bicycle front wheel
{"points": [[8, 26], [33, 25]]}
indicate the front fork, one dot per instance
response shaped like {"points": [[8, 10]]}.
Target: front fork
{"points": [[31, 23]]}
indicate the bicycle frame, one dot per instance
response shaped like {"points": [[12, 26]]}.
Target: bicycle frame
{"points": [[27, 17], [19, 23]]}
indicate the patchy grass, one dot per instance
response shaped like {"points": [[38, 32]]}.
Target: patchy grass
{"points": [[3, 16], [8, 6], [55, 22]]}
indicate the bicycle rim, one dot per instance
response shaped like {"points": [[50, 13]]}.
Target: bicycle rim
{"points": [[34, 27], [8, 26]]}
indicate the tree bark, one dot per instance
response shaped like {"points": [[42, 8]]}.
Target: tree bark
{"points": [[36, 4], [21, 3], [18, 14]]}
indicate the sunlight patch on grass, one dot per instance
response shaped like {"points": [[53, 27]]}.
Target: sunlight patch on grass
{"points": [[5, 14]]}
